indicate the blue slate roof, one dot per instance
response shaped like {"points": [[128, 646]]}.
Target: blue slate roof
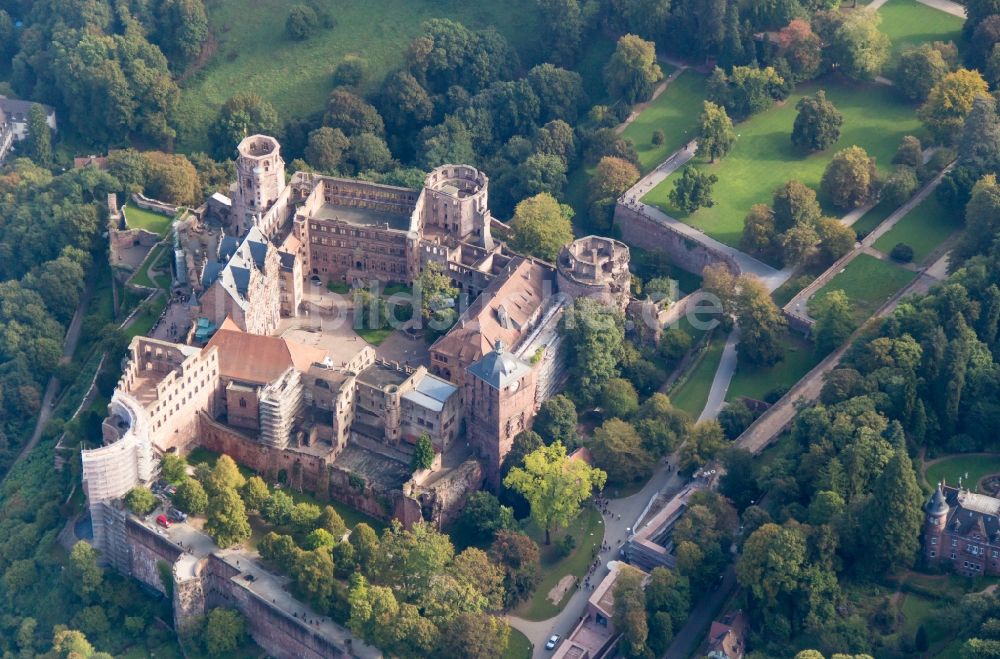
{"points": [[499, 368]]}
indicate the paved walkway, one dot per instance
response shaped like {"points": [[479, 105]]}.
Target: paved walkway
{"points": [[798, 305], [52, 388], [723, 378], [946, 6], [637, 109], [764, 430], [615, 531]]}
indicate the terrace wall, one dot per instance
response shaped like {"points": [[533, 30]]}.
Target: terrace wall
{"points": [[685, 252]]}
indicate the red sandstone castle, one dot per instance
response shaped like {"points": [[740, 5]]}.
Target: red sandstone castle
{"points": [[962, 530]]}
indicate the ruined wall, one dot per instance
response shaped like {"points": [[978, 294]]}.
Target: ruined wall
{"points": [[647, 233], [148, 548], [154, 205], [303, 470]]}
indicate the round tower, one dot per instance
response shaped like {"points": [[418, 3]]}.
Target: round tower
{"points": [[455, 200], [935, 518], [260, 178]]}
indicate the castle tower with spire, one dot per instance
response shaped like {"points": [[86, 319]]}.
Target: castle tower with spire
{"points": [[500, 402], [935, 518]]}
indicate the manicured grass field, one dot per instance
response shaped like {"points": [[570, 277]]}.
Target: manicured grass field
{"points": [[143, 323], [254, 54], [764, 157], [588, 529], [755, 382], [675, 112], [869, 283], [924, 228], [157, 259], [140, 218], [909, 23], [950, 469], [867, 222], [692, 394], [518, 646]]}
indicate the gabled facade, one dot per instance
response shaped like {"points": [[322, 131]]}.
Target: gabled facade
{"points": [[962, 531]]}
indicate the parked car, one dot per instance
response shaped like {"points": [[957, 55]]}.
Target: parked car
{"points": [[163, 521], [553, 642], [316, 281], [171, 490], [176, 515]]}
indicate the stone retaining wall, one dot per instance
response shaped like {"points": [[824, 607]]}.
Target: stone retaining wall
{"points": [[685, 252], [154, 205]]}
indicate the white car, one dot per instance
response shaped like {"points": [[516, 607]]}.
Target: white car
{"points": [[553, 642]]}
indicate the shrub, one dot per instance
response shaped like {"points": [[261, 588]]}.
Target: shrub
{"points": [[659, 137], [301, 23], [350, 72], [901, 253], [899, 186], [566, 546]]}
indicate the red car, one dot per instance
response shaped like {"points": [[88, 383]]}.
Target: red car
{"points": [[163, 521]]}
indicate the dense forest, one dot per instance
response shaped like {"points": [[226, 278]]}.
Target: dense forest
{"points": [[842, 508]]}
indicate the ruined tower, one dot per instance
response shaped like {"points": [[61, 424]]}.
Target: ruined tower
{"points": [[260, 178]]}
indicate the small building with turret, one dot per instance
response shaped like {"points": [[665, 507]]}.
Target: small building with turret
{"points": [[595, 267], [962, 531]]}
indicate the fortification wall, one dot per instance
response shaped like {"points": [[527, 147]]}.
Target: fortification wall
{"points": [[154, 205], [302, 469], [645, 232], [148, 548]]}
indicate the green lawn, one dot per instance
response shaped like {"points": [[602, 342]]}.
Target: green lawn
{"points": [[869, 283], [144, 320], [692, 394], [588, 529], [254, 54], [374, 336], [867, 222], [764, 157], [140, 218], [950, 469], [807, 275], [518, 647], [909, 23], [157, 259], [755, 382], [676, 112], [923, 228]]}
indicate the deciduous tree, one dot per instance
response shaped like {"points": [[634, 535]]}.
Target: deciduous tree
{"points": [[423, 453], [618, 449], [556, 420], [716, 133], [242, 115], [632, 72], [817, 125], [834, 322], [141, 501], [849, 179], [693, 190], [227, 521], [554, 485], [761, 323], [950, 102], [541, 226], [918, 70], [191, 497]]}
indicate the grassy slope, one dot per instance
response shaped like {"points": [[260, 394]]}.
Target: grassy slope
{"points": [[755, 382], [909, 23], [949, 469], [518, 646], [692, 394], [255, 55], [139, 218], [923, 228], [588, 529], [868, 282], [764, 157], [676, 112]]}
